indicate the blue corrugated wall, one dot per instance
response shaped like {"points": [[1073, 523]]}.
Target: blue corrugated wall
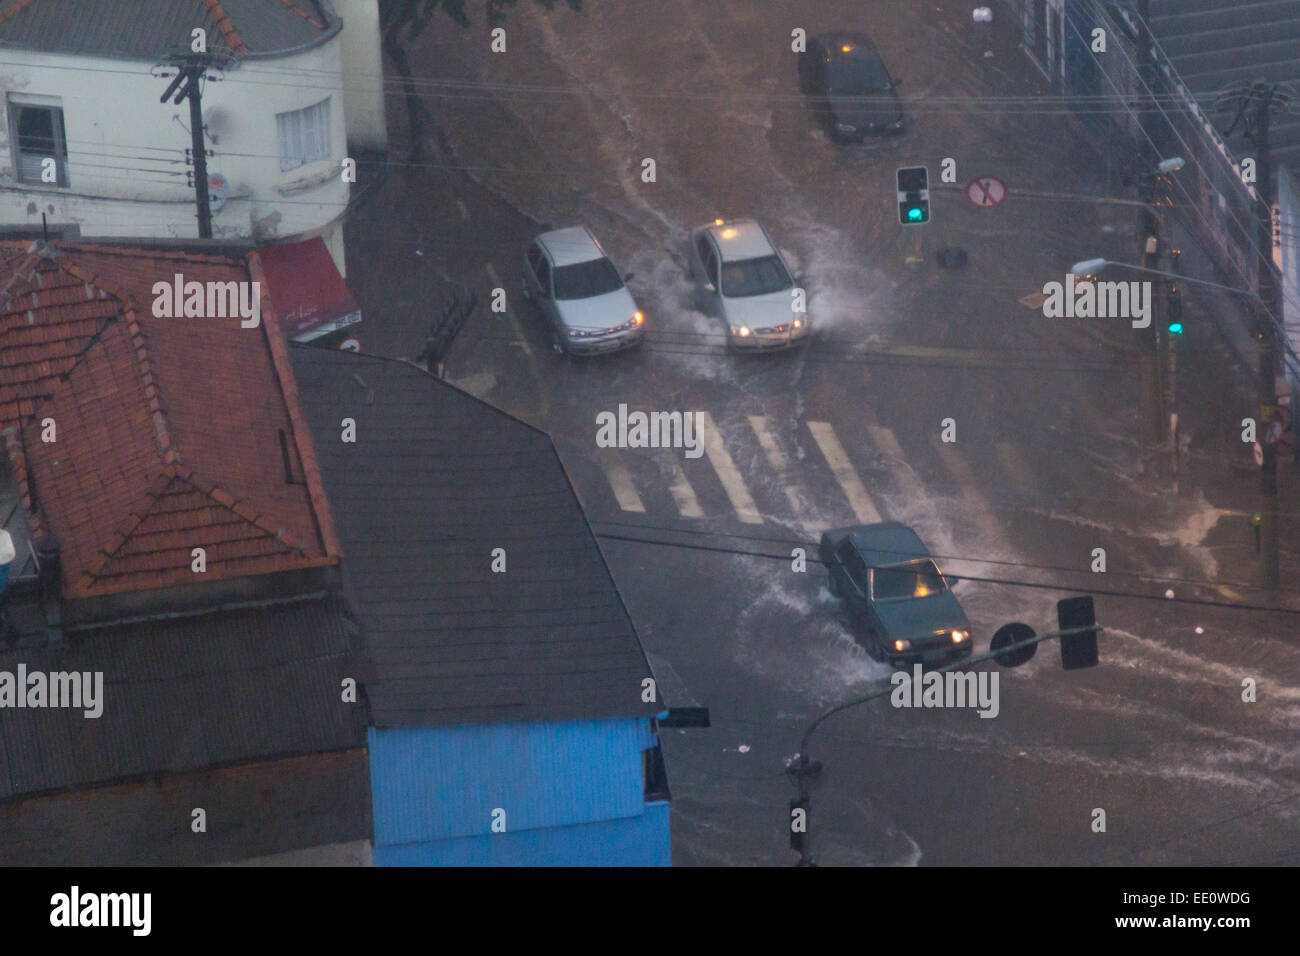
{"points": [[442, 783], [629, 841]]}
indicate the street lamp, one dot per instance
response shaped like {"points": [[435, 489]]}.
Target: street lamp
{"points": [[1012, 646], [1087, 267]]}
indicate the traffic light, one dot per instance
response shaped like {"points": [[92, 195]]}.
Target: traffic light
{"points": [[1077, 650], [913, 195], [1175, 301]]}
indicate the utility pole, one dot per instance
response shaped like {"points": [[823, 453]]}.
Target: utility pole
{"points": [[186, 85], [1263, 94], [1255, 104], [1150, 386]]}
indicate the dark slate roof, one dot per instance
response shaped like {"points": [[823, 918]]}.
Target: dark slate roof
{"points": [[434, 482], [254, 810], [1213, 43], [185, 693], [147, 29]]}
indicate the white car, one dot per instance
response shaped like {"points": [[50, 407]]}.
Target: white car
{"points": [[741, 278], [573, 283]]}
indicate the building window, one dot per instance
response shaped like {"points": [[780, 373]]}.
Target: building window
{"points": [[304, 135], [41, 153]]}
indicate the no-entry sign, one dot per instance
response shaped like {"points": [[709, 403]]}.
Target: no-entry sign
{"points": [[986, 191], [350, 345]]}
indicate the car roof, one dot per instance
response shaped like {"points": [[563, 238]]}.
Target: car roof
{"points": [[740, 239], [860, 43], [890, 542], [571, 245]]}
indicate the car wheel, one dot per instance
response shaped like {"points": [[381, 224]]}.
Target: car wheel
{"points": [[558, 343], [874, 647]]}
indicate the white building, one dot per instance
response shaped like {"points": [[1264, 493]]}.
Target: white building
{"points": [[81, 85]]}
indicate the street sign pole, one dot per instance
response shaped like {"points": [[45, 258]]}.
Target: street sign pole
{"points": [[1009, 652]]}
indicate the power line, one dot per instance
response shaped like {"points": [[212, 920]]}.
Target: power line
{"points": [[1152, 578], [1103, 592]]}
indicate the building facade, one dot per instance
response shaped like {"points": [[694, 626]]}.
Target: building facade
{"points": [[511, 704], [87, 149]]}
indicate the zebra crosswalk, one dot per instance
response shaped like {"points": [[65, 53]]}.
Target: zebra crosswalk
{"points": [[800, 474]]}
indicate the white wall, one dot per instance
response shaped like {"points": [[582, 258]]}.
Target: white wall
{"points": [[363, 74], [123, 145]]}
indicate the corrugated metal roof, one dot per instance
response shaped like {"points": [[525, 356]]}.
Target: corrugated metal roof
{"points": [[435, 783], [147, 29], [1214, 43], [434, 482], [631, 841], [186, 693]]}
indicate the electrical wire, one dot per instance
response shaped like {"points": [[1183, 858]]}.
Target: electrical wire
{"points": [[1009, 582]]}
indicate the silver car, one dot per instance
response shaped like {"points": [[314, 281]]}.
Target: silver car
{"points": [[741, 278], [568, 277]]}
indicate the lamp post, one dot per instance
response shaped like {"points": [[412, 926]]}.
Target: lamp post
{"points": [[1078, 649], [1269, 546], [1093, 266]]}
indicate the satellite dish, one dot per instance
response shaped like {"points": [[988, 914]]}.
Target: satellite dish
{"points": [[217, 123]]}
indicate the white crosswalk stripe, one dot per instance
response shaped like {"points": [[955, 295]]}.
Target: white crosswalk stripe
{"points": [[886, 441], [842, 469], [727, 472], [620, 481], [780, 463], [965, 478], [688, 506]]}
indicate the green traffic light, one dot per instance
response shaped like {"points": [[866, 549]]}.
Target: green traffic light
{"points": [[1175, 328], [916, 214]]}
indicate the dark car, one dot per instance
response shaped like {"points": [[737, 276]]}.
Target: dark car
{"points": [[896, 595], [849, 85]]}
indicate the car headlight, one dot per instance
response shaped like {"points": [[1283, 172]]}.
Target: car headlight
{"points": [[573, 333], [743, 331], [638, 318], [799, 323], [902, 645], [959, 636], [845, 128]]}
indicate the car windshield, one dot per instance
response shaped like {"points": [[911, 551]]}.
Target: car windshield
{"points": [[754, 277], [914, 579], [857, 73], [587, 279]]}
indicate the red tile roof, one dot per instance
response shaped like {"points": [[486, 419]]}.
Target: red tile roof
{"points": [[168, 430]]}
